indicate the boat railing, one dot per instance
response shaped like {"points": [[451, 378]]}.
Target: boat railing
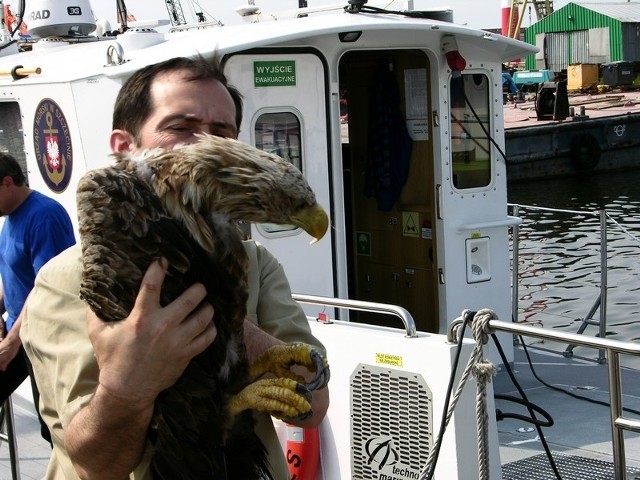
{"points": [[362, 306], [612, 348], [600, 303]]}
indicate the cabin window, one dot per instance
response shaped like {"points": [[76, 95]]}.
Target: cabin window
{"points": [[11, 136], [470, 147], [279, 133]]}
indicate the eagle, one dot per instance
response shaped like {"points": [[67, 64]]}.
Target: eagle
{"points": [[183, 204]]}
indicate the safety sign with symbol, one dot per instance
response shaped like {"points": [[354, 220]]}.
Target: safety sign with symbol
{"points": [[363, 243], [411, 224]]}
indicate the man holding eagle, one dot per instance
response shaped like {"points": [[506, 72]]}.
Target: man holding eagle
{"points": [[102, 382]]}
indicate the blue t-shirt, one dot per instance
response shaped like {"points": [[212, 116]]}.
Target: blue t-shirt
{"points": [[35, 232]]}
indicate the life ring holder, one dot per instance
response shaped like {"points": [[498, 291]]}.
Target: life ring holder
{"points": [[584, 152]]}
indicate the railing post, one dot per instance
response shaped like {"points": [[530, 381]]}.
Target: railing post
{"points": [[615, 401], [603, 282], [515, 269], [515, 240], [8, 435]]}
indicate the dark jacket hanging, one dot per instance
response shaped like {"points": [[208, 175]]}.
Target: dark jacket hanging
{"points": [[389, 144]]}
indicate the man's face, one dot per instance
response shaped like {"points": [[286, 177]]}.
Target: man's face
{"points": [[183, 108]]}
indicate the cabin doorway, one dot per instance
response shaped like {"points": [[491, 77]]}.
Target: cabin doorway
{"points": [[388, 171]]}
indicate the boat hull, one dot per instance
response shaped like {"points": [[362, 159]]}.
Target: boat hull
{"points": [[573, 147]]}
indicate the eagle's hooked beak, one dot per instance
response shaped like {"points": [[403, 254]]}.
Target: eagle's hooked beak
{"points": [[313, 220]]}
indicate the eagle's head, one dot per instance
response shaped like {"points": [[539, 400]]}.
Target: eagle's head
{"points": [[226, 177]]}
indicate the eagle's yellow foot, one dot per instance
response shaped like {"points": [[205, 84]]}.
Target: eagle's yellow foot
{"points": [[282, 398], [279, 359]]}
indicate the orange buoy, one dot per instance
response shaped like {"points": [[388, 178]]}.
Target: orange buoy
{"points": [[303, 452]]}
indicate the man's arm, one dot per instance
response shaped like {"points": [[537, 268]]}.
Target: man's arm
{"points": [[138, 358], [106, 439], [9, 343]]}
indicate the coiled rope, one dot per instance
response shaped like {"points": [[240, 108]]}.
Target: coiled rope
{"points": [[483, 371]]}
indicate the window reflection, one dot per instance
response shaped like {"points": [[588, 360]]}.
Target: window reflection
{"points": [[279, 133], [470, 147]]}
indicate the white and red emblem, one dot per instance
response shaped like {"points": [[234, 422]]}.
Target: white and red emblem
{"points": [[52, 143]]}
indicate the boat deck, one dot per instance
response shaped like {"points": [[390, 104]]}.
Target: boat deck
{"points": [[580, 438]]}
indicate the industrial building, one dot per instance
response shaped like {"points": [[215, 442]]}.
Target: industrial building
{"points": [[586, 33]]}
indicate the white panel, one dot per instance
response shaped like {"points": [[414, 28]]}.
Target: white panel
{"points": [[598, 45], [540, 60]]}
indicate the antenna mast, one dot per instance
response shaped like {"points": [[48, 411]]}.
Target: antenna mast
{"points": [[176, 16], [122, 15]]}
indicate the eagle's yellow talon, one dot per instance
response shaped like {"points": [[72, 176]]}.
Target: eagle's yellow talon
{"points": [[279, 397], [279, 359]]}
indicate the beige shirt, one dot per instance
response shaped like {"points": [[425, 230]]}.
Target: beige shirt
{"points": [[54, 334]]}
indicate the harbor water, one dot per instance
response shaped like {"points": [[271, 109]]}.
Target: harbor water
{"points": [[559, 255]]}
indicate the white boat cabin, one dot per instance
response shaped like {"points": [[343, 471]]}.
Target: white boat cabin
{"points": [[395, 145]]}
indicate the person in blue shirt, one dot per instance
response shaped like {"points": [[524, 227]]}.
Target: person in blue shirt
{"points": [[36, 228], [507, 81]]}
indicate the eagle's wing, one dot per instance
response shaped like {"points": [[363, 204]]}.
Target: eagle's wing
{"points": [[123, 225]]}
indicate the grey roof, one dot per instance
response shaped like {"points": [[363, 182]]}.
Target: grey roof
{"points": [[621, 11]]}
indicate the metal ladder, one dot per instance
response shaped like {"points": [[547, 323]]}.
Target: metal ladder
{"points": [[8, 434]]}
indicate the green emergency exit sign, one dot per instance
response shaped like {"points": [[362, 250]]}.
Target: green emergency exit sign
{"points": [[276, 73]]}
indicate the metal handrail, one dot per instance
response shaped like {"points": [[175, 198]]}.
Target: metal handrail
{"points": [[601, 301], [613, 349], [374, 307]]}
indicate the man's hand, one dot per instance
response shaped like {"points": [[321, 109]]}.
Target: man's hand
{"points": [[147, 352]]}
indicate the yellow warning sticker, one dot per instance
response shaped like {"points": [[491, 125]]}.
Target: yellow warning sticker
{"points": [[386, 359], [411, 224]]}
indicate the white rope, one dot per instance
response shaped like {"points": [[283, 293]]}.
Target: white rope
{"points": [[483, 371]]}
